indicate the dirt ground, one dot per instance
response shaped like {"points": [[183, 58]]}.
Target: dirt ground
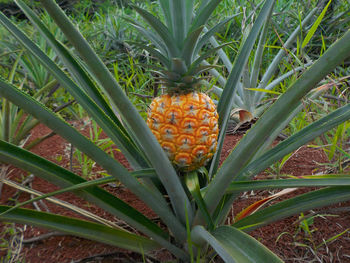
{"points": [[286, 238]]}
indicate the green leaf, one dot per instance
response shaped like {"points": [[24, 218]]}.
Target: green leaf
{"points": [[64, 178], [273, 117], [287, 146], [96, 182], [193, 186], [226, 99], [153, 37], [315, 26], [295, 141], [161, 30], [264, 90], [138, 128], [233, 245], [280, 55], [224, 109], [209, 33], [164, 60], [336, 180], [281, 78], [259, 54], [200, 59], [83, 99], [189, 12], [74, 67], [205, 10], [190, 44], [165, 5], [151, 198], [179, 19], [81, 228], [304, 202]]}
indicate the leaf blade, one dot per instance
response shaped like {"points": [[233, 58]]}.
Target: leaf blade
{"points": [[233, 245], [274, 116], [142, 135], [153, 199], [81, 228]]}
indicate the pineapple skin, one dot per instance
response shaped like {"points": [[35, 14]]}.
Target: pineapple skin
{"points": [[186, 126]]}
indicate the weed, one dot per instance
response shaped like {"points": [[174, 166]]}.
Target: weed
{"points": [[85, 164], [11, 240]]}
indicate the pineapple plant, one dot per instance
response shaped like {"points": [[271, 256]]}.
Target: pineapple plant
{"points": [[183, 119], [193, 226]]}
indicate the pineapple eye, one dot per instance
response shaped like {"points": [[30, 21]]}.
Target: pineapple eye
{"points": [[169, 148], [185, 142], [213, 123], [188, 123], [154, 121], [173, 115], [204, 115], [183, 159], [168, 132], [172, 118], [190, 109], [203, 131], [199, 151]]}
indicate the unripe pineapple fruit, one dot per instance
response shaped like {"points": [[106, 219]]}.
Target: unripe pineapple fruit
{"points": [[186, 127]]}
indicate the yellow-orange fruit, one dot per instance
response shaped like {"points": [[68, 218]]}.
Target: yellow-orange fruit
{"points": [[186, 127]]}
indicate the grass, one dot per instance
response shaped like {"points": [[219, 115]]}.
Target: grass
{"points": [[11, 241]]}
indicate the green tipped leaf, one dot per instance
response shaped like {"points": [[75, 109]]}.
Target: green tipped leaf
{"points": [[83, 185], [193, 186], [204, 13], [179, 19], [312, 181], [190, 43], [136, 125], [207, 54], [154, 38], [274, 116], [163, 59], [295, 141], [209, 33], [315, 25], [80, 228], [59, 176], [153, 199], [161, 30], [165, 5], [87, 103], [233, 245], [226, 99]]}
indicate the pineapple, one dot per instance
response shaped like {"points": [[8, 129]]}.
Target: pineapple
{"points": [[183, 119], [186, 126]]}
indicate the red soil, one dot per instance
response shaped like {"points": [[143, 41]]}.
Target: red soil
{"points": [[284, 237]]}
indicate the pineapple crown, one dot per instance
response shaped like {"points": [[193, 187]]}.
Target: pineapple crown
{"points": [[178, 41]]}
